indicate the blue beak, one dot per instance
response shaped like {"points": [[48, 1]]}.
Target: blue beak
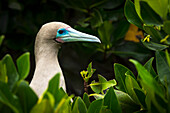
{"points": [[72, 35]]}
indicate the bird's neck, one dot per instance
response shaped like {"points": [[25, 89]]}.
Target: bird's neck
{"points": [[47, 66]]}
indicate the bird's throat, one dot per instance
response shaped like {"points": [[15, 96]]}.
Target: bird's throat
{"points": [[47, 66]]}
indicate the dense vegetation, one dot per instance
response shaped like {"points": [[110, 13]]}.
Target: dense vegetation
{"points": [[140, 85]]}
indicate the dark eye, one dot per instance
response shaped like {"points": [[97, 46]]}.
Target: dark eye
{"points": [[60, 31]]}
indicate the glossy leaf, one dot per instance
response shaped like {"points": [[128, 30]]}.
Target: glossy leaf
{"points": [[95, 106], [43, 107], [11, 71], [149, 67], [159, 6], [147, 78], [120, 71], [63, 106], [102, 85], [111, 101], [126, 102], [141, 97], [3, 73], [54, 84], [138, 9], [162, 67], [79, 106], [131, 83], [131, 14], [23, 64], [154, 46], [148, 15], [156, 36], [26, 96], [86, 99], [166, 27], [7, 98]]}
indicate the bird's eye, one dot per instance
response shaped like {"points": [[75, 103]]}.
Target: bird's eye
{"points": [[61, 31]]}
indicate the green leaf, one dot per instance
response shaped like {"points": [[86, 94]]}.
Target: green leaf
{"points": [[1, 39], [86, 99], [167, 57], [43, 107], [154, 46], [148, 79], [53, 85], [159, 6], [148, 66], [156, 36], [7, 98], [120, 71], [11, 70], [64, 105], [105, 31], [23, 64], [141, 97], [148, 15], [162, 66], [3, 73], [111, 101], [26, 96], [79, 106], [131, 14], [95, 106], [126, 102], [102, 85], [166, 27], [131, 83], [138, 9]]}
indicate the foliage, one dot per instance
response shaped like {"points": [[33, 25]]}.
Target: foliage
{"points": [[149, 91], [146, 93]]}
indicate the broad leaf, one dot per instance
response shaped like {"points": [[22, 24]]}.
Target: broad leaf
{"points": [[148, 79], [102, 85], [159, 6], [120, 71], [11, 71], [141, 97], [111, 101], [166, 27], [3, 73], [79, 106], [95, 106], [64, 106], [148, 15], [43, 107], [156, 36], [131, 14], [131, 83], [23, 64], [148, 66], [162, 68], [7, 98], [26, 96], [126, 102], [86, 99], [154, 46]]}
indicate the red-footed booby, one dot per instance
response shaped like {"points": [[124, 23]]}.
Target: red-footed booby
{"points": [[47, 44]]}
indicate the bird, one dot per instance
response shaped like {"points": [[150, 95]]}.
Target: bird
{"points": [[47, 44]]}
